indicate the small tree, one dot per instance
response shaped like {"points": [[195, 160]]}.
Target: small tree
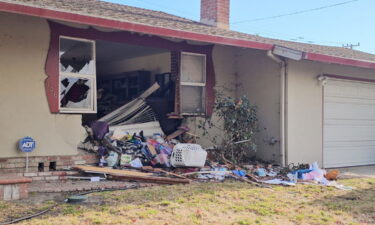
{"points": [[239, 127]]}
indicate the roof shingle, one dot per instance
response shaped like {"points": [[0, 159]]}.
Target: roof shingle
{"points": [[123, 13]]}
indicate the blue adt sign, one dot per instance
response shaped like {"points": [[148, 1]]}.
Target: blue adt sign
{"points": [[26, 144]]}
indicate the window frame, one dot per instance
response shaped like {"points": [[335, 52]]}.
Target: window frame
{"points": [[203, 84], [91, 77]]}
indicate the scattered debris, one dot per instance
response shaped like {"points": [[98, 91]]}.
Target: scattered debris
{"points": [[131, 146], [131, 175]]}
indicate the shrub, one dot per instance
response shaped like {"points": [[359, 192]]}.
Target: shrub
{"points": [[239, 127]]}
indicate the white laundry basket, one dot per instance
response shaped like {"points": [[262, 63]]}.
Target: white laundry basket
{"points": [[188, 155]]}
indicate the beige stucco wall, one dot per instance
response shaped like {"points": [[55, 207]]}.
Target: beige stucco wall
{"points": [[304, 107], [249, 72], [24, 111], [23, 49], [259, 80], [24, 43], [224, 65], [156, 63]]}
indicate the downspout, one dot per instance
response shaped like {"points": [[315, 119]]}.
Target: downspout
{"points": [[283, 74]]}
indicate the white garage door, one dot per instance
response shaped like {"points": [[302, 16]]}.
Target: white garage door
{"points": [[349, 123]]}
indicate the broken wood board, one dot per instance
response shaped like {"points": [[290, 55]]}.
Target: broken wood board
{"points": [[181, 130], [109, 171], [131, 175], [163, 171], [152, 179]]}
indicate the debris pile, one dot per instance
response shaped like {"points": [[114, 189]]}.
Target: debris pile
{"points": [[131, 146], [163, 159]]}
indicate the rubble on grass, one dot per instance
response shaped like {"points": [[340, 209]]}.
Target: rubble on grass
{"points": [[168, 161], [131, 147]]}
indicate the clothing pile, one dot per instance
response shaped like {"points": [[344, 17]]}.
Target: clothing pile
{"points": [[119, 148]]}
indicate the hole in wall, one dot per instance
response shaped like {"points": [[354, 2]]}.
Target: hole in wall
{"points": [[41, 167], [52, 166]]}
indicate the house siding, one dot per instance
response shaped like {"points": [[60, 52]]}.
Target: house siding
{"points": [[225, 77], [305, 107], [24, 43], [259, 80], [24, 111], [250, 72]]}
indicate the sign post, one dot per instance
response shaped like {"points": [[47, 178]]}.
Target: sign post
{"points": [[27, 144]]}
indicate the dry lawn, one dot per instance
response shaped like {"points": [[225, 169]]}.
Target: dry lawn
{"points": [[215, 203]]}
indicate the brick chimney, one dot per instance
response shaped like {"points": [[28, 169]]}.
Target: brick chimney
{"points": [[215, 13]]}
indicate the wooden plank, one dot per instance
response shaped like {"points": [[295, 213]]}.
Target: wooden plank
{"points": [[177, 133], [132, 175], [111, 171], [166, 172], [159, 180]]}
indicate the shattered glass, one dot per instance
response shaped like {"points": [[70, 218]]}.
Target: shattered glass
{"points": [[75, 93], [76, 57]]}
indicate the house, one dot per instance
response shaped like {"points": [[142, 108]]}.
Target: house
{"points": [[315, 103]]}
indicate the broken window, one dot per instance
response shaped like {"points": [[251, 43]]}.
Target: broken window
{"points": [[75, 93], [77, 76], [193, 83]]}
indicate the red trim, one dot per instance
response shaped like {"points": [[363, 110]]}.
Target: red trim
{"points": [[51, 83], [338, 60], [71, 17], [52, 62], [349, 78]]}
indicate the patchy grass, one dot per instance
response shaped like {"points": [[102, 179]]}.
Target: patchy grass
{"points": [[223, 203], [16, 209]]}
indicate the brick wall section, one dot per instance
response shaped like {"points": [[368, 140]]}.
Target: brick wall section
{"points": [[50, 176], [215, 13], [14, 187], [24, 190], [17, 165]]}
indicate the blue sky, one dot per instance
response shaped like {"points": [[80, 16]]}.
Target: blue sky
{"points": [[342, 24]]}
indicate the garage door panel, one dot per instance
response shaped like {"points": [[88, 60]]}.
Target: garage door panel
{"points": [[364, 154], [349, 89], [349, 133], [349, 123], [345, 146], [330, 159], [338, 110]]}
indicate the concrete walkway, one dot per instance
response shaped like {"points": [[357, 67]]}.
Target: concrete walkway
{"points": [[358, 171]]}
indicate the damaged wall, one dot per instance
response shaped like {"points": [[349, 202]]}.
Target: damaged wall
{"points": [[251, 73], [305, 124], [24, 43], [223, 58], [259, 80]]}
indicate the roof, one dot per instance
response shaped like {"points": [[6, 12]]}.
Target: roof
{"points": [[95, 12]]}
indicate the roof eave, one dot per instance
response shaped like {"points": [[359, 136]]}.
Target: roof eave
{"points": [[108, 23], [338, 60]]}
